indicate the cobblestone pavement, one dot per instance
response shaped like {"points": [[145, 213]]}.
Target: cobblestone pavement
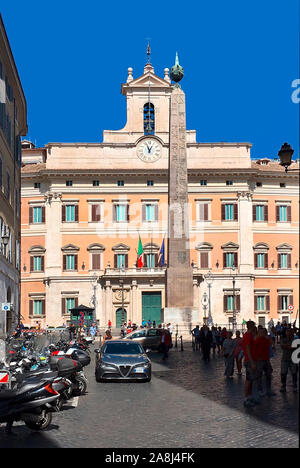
{"points": [[188, 404]]}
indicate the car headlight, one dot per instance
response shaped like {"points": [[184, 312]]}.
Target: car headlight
{"points": [[107, 365]]}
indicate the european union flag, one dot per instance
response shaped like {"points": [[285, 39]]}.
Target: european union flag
{"points": [[162, 254]]}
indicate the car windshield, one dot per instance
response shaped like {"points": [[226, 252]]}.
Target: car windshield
{"points": [[123, 348]]}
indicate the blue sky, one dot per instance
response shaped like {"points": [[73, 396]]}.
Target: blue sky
{"points": [[240, 59]]}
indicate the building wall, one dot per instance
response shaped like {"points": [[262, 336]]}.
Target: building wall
{"points": [[231, 178], [12, 126]]}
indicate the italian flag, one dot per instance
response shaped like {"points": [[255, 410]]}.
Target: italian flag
{"points": [[140, 252]]}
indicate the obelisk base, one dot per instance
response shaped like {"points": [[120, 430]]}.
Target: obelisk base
{"points": [[183, 319]]}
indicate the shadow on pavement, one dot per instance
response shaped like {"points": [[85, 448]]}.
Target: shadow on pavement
{"points": [[22, 437], [188, 370]]}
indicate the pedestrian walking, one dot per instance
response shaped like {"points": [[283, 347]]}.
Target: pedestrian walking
{"points": [[219, 339], [249, 363], [165, 342], [196, 334], [205, 342], [261, 356], [228, 353], [238, 352], [109, 324], [93, 330], [286, 360]]}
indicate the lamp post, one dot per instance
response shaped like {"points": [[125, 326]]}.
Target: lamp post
{"points": [[204, 302], [233, 294], [94, 297], [285, 154], [121, 283], [4, 239], [209, 279]]}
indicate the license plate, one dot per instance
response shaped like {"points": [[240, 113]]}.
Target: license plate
{"points": [[139, 369]]}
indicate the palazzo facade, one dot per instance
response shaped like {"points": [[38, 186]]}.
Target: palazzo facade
{"points": [[85, 206]]}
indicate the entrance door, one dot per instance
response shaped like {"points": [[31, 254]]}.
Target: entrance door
{"points": [[151, 306], [121, 317]]}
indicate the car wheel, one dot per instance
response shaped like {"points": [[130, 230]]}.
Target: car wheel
{"points": [[148, 380], [97, 375]]}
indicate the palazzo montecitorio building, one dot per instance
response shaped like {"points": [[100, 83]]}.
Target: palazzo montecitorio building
{"points": [[85, 206]]}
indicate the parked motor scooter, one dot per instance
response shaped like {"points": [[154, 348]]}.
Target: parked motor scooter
{"points": [[32, 403]]}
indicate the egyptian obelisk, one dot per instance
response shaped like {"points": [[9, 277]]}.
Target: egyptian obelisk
{"points": [[179, 274]]}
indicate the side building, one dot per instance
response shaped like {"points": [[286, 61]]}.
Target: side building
{"points": [[13, 125], [86, 205]]}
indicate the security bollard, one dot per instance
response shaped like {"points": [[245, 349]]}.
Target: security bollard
{"points": [[181, 344]]}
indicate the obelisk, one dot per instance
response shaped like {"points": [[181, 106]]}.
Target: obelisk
{"points": [[179, 274]]}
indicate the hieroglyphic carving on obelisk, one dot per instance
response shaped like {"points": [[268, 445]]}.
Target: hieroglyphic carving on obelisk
{"points": [[179, 275]]}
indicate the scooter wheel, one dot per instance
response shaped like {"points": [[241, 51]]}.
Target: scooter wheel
{"points": [[81, 387], [42, 424]]}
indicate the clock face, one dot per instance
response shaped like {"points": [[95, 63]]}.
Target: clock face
{"points": [[149, 150]]}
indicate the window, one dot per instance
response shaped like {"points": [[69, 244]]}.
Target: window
{"points": [[95, 213], [121, 213], [70, 262], [70, 213], [283, 260], [260, 260], [37, 263], [36, 307], [96, 261], [231, 302], [258, 184], [229, 182], [284, 302], [1, 173], [37, 185], [150, 183], [260, 302], [150, 212], [7, 192], [150, 260], [120, 183], [70, 304], [282, 185], [96, 183], [149, 119], [203, 212], [204, 259], [203, 182], [260, 212], [121, 260], [36, 214], [69, 183], [229, 260], [283, 213], [229, 212]]}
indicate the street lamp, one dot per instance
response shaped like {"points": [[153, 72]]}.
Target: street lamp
{"points": [[285, 154], [204, 302], [94, 297], [233, 294], [209, 279]]}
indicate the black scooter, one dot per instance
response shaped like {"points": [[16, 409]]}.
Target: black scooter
{"points": [[33, 404]]}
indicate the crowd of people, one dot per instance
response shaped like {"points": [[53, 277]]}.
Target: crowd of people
{"points": [[255, 349]]}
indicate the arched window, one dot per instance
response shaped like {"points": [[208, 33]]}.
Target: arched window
{"points": [[149, 119]]}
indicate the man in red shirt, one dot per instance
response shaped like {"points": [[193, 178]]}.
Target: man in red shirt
{"points": [[165, 342], [249, 362], [261, 356]]}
